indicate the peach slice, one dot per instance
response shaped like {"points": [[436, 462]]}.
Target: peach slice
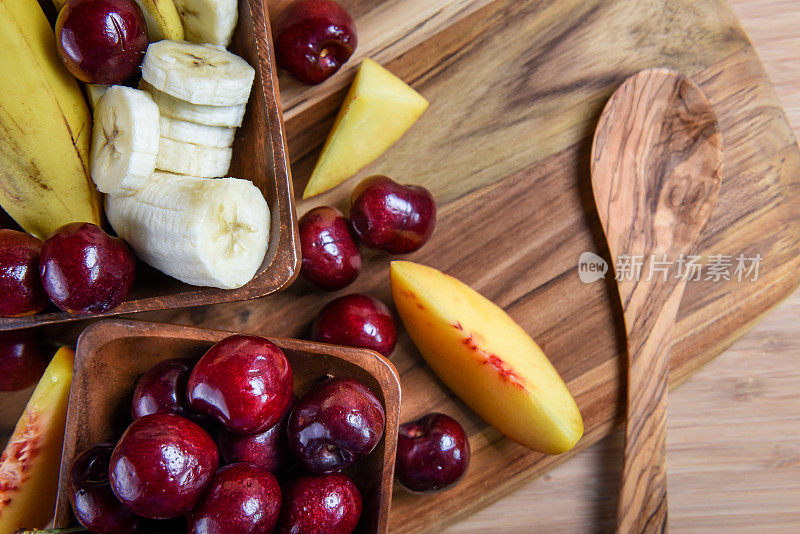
{"points": [[377, 111], [29, 465], [486, 359]]}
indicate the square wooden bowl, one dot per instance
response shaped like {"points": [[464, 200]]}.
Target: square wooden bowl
{"points": [[112, 354], [260, 155]]}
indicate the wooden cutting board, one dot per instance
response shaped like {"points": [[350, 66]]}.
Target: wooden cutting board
{"points": [[516, 87]]}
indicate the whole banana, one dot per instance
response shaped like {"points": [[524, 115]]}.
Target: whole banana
{"points": [[45, 128]]}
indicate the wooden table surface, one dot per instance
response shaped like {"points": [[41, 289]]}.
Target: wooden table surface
{"points": [[734, 427]]}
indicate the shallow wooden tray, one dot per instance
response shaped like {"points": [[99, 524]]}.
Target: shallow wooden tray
{"points": [[259, 155], [112, 354]]}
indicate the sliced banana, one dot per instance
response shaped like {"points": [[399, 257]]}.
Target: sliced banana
{"points": [[198, 134], [125, 140], [208, 21], [229, 116], [93, 93], [194, 160], [198, 73], [202, 232]]}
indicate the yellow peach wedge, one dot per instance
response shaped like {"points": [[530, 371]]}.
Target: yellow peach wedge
{"points": [[486, 359], [377, 111], [29, 465]]}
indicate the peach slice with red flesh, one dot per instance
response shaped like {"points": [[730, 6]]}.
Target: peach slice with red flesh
{"points": [[486, 359], [29, 465]]}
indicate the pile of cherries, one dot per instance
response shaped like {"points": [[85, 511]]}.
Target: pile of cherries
{"points": [[433, 451], [80, 268], [384, 215], [167, 473]]}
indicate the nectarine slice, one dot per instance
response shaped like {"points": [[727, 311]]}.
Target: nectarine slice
{"points": [[377, 111], [29, 465], [486, 359]]}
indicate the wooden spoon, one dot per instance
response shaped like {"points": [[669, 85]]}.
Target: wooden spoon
{"points": [[656, 164]]}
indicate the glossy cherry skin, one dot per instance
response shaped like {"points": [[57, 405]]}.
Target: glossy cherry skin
{"points": [[392, 217], [162, 465], [268, 449], [432, 453], [334, 424], [20, 285], [101, 41], [89, 491], [21, 360], [85, 270], [242, 499], [356, 320], [244, 382], [327, 504], [331, 259], [313, 39], [162, 389]]}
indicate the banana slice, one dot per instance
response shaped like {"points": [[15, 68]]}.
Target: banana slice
{"points": [[94, 91], [163, 21], [125, 140], [229, 116], [202, 232], [194, 160], [208, 21], [198, 73], [198, 134]]}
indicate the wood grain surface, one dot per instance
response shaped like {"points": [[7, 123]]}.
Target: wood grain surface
{"points": [[734, 427], [656, 170], [516, 87]]}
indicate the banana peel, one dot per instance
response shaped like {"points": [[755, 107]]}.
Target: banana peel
{"points": [[45, 128]]}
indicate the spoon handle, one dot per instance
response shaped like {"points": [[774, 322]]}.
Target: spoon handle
{"points": [[643, 495]]}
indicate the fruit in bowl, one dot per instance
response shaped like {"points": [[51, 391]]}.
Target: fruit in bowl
{"points": [[153, 149], [331, 259], [392, 217], [202, 232], [162, 389], [334, 424], [101, 41], [162, 465], [163, 461], [85, 270], [19, 275], [432, 453], [163, 20], [53, 145], [313, 39], [356, 320], [310, 502], [268, 449], [242, 499], [208, 21], [89, 491], [244, 382]]}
